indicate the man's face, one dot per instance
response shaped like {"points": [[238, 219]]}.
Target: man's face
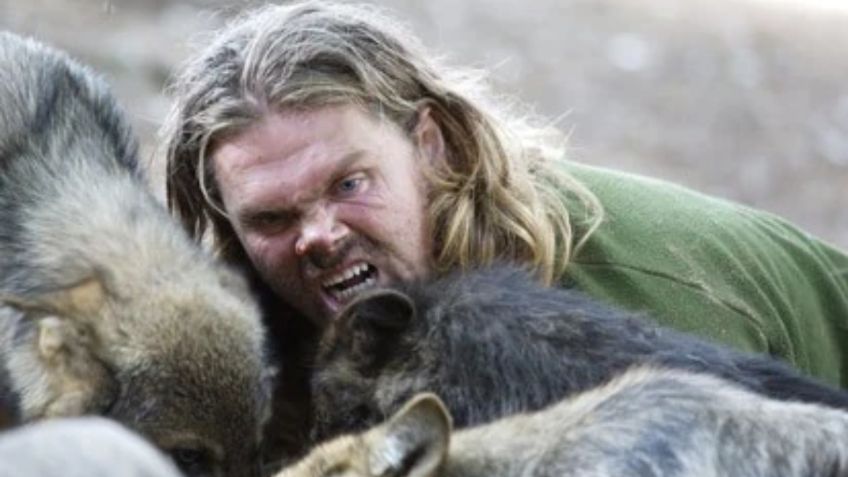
{"points": [[328, 202]]}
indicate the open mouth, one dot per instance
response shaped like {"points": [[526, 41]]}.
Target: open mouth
{"points": [[346, 284]]}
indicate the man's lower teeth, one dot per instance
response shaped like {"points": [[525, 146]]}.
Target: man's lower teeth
{"points": [[347, 293]]}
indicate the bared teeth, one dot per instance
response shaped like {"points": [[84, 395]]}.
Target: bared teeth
{"points": [[347, 293], [345, 275], [341, 287]]}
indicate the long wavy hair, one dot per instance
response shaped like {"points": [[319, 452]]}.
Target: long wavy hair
{"points": [[502, 193]]}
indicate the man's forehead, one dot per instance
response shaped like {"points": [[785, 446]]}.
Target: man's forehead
{"points": [[289, 158], [328, 133]]}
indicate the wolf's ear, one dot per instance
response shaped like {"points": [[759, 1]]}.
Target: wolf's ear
{"points": [[81, 299], [414, 442], [372, 323], [77, 382], [379, 312], [55, 368]]}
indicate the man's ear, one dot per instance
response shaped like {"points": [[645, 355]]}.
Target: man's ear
{"points": [[428, 137], [412, 443], [374, 320], [82, 299]]}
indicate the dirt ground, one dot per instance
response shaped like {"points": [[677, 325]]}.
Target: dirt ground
{"points": [[744, 99]]}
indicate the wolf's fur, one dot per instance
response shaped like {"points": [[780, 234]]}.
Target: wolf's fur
{"points": [[493, 342], [79, 447], [646, 422], [106, 306]]}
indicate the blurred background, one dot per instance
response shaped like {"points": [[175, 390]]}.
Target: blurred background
{"points": [[743, 99]]}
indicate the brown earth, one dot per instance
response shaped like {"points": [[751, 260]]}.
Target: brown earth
{"points": [[744, 99]]}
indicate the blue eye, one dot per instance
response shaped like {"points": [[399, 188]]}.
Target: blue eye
{"points": [[349, 185]]}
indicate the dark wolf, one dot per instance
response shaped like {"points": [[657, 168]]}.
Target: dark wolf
{"points": [[80, 447], [646, 422], [106, 306], [494, 342]]}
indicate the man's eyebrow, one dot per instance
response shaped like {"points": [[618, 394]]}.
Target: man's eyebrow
{"points": [[346, 162], [263, 215], [256, 215]]}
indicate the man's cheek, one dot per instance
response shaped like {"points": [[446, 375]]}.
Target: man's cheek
{"points": [[276, 265], [262, 249]]}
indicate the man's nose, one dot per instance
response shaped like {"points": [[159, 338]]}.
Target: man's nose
{"points": [[320, 233]]}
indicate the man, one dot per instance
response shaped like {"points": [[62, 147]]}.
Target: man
{"points": [[318, 144]]}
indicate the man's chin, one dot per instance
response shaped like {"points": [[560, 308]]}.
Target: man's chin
{"points": [[329, 313], [323, 312]]}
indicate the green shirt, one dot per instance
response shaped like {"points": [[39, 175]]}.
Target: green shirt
{"points": [[716, 269]]}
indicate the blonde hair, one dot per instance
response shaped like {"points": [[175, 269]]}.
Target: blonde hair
{"points": [[502, 193]]}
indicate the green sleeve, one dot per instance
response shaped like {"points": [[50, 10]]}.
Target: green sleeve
{"points": [[718, 269]]}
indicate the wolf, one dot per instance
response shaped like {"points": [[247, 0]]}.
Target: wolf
{"points": [[493, 341], [106, 306], [80, 447], [647, 422]]}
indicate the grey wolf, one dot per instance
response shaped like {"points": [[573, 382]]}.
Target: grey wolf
{"points": [[494, 342], [108, 307], [646, 422]]}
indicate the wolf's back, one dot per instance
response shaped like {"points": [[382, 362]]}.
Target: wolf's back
{"points": [[69, 172], [49, 100]]}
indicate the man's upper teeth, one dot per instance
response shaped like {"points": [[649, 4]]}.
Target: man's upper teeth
{"points": [[345, 275]]}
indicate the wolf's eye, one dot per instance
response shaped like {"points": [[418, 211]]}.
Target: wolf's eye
{"points": [[361, 416], [193, 462]]}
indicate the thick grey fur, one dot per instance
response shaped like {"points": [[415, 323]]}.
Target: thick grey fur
{"points": [[494, 342], [647, 423], [160, 337]]}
